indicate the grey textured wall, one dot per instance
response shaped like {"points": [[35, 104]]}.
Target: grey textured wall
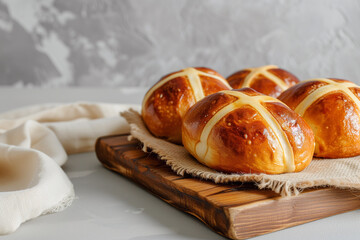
{"points": [[134, 42]]}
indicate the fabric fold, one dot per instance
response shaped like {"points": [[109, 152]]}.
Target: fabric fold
{"points": [[34, 143], [36, 185]]}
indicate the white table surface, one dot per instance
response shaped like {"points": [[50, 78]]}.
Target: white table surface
{"points": [[108, 206]]}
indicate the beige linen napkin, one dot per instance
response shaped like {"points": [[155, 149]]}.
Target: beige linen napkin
{"points": [[339, 173], [34, 143]]}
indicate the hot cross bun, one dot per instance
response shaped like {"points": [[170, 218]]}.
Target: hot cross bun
{"points": [[165, 104], [332, 109], [244, 131], [269, 80]]}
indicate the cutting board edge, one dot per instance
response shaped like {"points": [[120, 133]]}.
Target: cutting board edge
{"points": [[230, 230], [124, 173], [291, 221]]}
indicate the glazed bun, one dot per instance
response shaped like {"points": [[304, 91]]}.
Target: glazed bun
{"points": [[269, 80], [332, 109], [244, 131], [166, 103]]}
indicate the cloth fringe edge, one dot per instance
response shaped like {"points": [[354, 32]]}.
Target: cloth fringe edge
{"points": [[284, 188]]}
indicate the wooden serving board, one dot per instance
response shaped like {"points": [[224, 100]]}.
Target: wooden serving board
{"points": [[237, 211]]}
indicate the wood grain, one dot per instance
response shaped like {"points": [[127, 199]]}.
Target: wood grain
{"points": [[236, 211]]}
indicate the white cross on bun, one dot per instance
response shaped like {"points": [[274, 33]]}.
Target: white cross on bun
{"points": [[166, 103], [244, 131], [269, 80], [332, 109]]}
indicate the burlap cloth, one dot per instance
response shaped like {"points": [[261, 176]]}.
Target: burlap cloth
{"points": [[338, 173]]}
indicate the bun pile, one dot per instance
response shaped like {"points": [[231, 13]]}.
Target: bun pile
{"points": [[244, 131]]}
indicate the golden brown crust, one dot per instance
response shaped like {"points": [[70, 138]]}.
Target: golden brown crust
{"points": [[300, 137], [210, 86], [296, 94], [168, 100], [166, 107], [355, 91], [209, 70], [248, 91], [340, 121], [205, 110], [333, 116], [289, 78], [236, 79], [261, 83], [242, 140]]}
